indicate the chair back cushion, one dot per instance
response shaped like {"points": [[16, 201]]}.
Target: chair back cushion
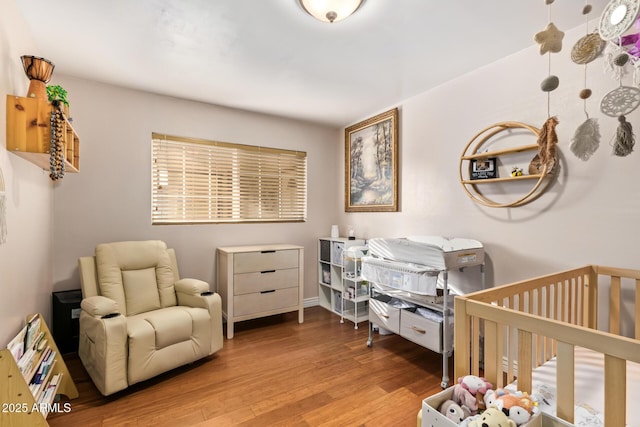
{"points": [[137, 275]]}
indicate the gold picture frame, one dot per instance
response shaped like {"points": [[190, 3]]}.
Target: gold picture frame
{"points": [[371, 164]]}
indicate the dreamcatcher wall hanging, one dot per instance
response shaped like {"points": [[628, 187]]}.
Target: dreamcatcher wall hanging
{"points": [[622, 55], [586, 139], [550, 41]]}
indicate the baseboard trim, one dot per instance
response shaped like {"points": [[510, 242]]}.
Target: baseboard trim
{"points": [[311, 302]]}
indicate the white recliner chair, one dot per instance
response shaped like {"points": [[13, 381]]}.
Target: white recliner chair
{"points": [[138, 318]]}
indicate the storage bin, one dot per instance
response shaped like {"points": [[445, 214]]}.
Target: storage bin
{"points": [[432, 417], [325, 250], [384, 315], [426, 331], [412, 278]]}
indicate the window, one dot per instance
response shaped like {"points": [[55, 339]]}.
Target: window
{"points": [[198, 181]]}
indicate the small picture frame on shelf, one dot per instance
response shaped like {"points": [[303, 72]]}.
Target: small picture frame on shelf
{"points": [[483, 168]]}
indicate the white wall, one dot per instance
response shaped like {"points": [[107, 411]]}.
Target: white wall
{"points": [[590, 215], [25, 259], [110, 198]]}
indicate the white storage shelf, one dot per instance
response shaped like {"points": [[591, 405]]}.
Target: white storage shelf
{"points": [[341, 289]]}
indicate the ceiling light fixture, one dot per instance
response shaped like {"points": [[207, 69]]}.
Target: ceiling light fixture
{"points": [[331, 10]]}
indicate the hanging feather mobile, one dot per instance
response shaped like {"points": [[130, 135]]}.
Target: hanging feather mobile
{"points": [[586, 140], [550, 41], [625, 140], [547, 141], [617, 18]]}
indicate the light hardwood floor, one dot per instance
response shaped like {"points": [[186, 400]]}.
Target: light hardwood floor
{"points": [[275, 372]]}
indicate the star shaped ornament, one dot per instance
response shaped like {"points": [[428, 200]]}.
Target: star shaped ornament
{"points": [[550, 39]]}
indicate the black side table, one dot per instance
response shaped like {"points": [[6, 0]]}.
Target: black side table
{"points": [[66, 315]]}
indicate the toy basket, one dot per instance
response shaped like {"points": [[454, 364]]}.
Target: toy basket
{"points": [[408, 277], [430, 416]]}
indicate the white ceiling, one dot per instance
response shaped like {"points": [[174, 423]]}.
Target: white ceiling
{"points": [[270, 56]]}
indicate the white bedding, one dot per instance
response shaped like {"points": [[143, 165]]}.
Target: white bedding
{"points": [[589, 389], [433, 251]]}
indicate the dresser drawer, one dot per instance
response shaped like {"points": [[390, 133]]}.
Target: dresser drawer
{"points": [[247, 283], [250, 262], [384, 315], [265, 301], [422, 331]]}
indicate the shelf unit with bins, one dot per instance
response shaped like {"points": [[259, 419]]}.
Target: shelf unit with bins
{"points": [[29, 133], [335, 278], [21, 404], [473, 152]]}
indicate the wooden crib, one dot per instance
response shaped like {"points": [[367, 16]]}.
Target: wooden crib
{"points": [[506, 332]]}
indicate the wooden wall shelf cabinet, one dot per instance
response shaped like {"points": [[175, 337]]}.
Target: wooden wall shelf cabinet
{"points": [[473, 151], [21, 407], [29, 133]]}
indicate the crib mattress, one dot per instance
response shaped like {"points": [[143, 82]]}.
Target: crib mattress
{"points": [[589, 388], [434, 251]]}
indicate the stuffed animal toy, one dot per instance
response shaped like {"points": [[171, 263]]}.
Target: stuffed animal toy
{"points": [[454, 412], [490, 396], [518, 406], [465, 393], [468, 420], [492, 417]]}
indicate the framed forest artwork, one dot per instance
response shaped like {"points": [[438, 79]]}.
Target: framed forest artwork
{"points": [[371, 164]]}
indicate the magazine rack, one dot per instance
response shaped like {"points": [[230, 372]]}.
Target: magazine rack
{"points": [[20, 407]]}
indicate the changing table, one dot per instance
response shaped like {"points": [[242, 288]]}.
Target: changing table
{"points": [[410, 293]]}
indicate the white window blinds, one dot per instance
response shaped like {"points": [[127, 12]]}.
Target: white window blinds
{"points": [[197, 181]]}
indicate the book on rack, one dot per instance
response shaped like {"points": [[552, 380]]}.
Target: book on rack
{"points": [[16, 345], [38, 389], [33, 359], [50, 390], [33, 330], [20, 345], [43, 367]]}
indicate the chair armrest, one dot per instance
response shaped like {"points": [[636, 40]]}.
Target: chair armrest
{"points": [[196, 293], [191, 286], [103, 348], [99, 306], [193, 293]]}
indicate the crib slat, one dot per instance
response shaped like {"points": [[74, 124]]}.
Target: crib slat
{"points": [[475, 349], [565, 381], [614, 306], [461, 338], [591, 283], [548, 341], [537, 309], [570, 300], [492, 356], [510, 332], [615, 389], [525, 339], [500, 349]]}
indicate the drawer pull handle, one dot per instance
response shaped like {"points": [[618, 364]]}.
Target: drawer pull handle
{"points": [[267, 292], [267, 271], [381, 315], [418, 330], [267, 252]]}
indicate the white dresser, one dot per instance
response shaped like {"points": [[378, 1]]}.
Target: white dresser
{"points": [[260, 280]]}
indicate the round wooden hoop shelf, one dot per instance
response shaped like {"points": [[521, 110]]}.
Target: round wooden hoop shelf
{"points": [[471, 186]]}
